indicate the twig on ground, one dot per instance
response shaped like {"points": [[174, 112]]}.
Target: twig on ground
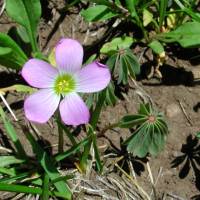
{"points": [[5, 149], [142, 93], [151, 180], [87, 34], [8, 107], [184, 112], [156, 181], [175, 196]]}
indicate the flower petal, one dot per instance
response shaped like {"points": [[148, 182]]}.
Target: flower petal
{"points": [[39, 73], [73, 110], [93, 78], [40, 106], [69, 55]]}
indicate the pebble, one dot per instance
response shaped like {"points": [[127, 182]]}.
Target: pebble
{"points": [[173, 110]]}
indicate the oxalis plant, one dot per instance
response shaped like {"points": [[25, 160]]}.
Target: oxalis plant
{"points": [[58, 87], [159, 23]]}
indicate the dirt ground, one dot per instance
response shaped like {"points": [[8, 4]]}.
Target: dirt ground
{"points": [[176, 170]]}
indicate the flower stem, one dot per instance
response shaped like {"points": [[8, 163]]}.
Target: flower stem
{"points": [[60, 136], [93, 122]]}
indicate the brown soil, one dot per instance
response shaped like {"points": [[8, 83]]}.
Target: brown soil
{"points": [[176, 95]]}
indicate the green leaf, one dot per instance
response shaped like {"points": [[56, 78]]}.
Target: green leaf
{"points": [[129, 121], [45, 189], [9, 160], [116, 44], [97, 111], [162, 11], [13, 135], [47, 163], [150, 134], [132, 63], [4, 51], [15, 177], [156, 47], [111, 99], [23, 88], [145, 109], [98, 13], [147, 17], [27, 14], [102, 2], [23, 34], [96, 150], [111, 62], [198, 135], [90, 59], [11, 54], [74, 149], [187, 35], [26, 189], [130, 4], [124, 71]]}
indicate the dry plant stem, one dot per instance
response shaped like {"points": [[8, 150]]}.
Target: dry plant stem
{"points": [[3, 7], [142, 192], [19, 196], [152, 180], [131, 169], [143, 93], [120, 187], [184, 112], [156, 181], [150, 174], [5, 149], [175, 196], [37, 132], [87, 34], [7, 105]]}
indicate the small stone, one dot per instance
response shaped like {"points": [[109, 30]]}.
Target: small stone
{"points": [[173, 110]]}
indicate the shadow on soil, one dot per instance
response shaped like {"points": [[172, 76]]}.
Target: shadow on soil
{"points": [[171, 75], [189, 160], [138, 164], [9, 78]]}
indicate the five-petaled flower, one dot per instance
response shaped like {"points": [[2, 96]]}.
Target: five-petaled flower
{"points": [[59, 85]]}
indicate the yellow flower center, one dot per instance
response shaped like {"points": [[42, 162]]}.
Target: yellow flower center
{"points": [[64, 84]]}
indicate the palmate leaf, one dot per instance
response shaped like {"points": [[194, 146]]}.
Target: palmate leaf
{"points": [[117, 43], [150, 134], [123, 63]]}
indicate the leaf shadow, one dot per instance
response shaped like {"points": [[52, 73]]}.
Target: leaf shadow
{"points": [[138, 164], [189, 160]]}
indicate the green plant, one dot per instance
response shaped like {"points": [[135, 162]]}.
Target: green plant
{"points": [[150, 131], [160, 22]]}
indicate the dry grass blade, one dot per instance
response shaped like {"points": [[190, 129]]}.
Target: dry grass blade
{"points": [[140, 189]]}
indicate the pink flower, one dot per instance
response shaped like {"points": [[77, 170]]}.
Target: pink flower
{"points": [[59, 87]]}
